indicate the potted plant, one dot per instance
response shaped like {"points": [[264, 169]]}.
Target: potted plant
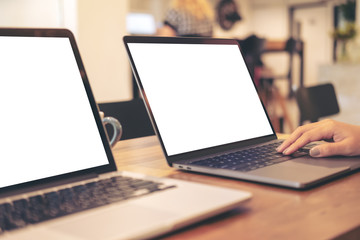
{"points": [[346, 27]]}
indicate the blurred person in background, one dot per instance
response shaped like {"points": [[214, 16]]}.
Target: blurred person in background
{"points": [[188, 18]]}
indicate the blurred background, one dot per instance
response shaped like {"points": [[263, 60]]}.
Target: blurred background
{"points": [[288, 44]]}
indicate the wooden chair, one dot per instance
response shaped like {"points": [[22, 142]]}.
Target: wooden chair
{"points": [[132, 115], [316, 102]]}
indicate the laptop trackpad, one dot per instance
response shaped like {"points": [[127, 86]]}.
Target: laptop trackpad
{"points": [[302, 171], [124, 221]]}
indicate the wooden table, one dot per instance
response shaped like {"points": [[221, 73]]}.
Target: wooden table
{"points": [[331, 210]]}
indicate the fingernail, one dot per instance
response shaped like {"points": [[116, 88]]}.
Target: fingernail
{"points": [[314, 152], [285, 151]]}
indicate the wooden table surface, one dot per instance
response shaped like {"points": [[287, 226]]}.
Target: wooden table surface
{"points": [[331, 210]]}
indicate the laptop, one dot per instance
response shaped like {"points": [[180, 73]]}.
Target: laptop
{"points": [[58, 178], [208, 115]]}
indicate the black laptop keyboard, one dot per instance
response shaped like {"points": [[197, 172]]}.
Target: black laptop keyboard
{"points": [[35, 209], [250, 159]]}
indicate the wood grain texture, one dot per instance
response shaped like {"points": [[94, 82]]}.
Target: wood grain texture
{"points": [[331, 210]]}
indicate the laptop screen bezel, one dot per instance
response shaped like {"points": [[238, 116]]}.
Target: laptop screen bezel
{"points": [[81, 174], [185, 40]]}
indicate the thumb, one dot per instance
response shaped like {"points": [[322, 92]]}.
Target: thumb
{"points": [[327, 149]]}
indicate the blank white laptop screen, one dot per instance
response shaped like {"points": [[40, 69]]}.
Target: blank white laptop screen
{"points": [[201, 95], [47, 125]]}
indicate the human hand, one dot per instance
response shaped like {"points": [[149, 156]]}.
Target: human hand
{"points": [[345, 139]]}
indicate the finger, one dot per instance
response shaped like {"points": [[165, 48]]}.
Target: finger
{"points": [[296, 135], [292, 138], [329, 149], [312, 135]]}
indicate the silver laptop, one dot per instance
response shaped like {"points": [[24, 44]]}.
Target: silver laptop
{"points": [[58, 178], [209, 118]]}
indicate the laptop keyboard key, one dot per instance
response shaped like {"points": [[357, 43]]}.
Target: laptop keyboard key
{"points": [[54, 204], [299, 154], [249, 159]]}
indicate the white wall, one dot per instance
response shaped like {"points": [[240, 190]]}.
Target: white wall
{"points": [[38, 13], [101, 26], [316, 24], [270, 22], [27, 13]]}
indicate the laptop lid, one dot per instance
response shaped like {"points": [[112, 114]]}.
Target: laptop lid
{"points": [[47, 102], [199, 94]]}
